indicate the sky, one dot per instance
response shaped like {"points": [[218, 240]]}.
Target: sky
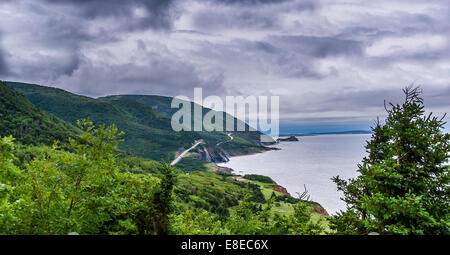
{"points": [[331, 62]]}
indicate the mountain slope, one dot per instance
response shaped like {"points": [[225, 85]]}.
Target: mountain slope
{"points": [[232, 143], [145, 121], [147, 133], [27, 123]]}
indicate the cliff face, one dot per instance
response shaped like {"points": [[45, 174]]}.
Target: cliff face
{"points": [[321, 210], [211, 154], [281, 189], [224, 170], [289, 139]]}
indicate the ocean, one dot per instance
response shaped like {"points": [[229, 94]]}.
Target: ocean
{"points": [[312, 161]]}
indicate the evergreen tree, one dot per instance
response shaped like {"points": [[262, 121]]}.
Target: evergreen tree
{"points": [[403, 186]]}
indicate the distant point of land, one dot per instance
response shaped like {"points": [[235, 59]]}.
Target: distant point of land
{"points": [[330, 133]]}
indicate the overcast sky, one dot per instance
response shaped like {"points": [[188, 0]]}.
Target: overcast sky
{"points": [[331, 62]]}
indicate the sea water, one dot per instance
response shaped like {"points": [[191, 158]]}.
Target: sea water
{"points": [[312, 161]]}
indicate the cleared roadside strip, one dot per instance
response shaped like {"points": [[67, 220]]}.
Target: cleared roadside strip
{"points": [[185, 152]]}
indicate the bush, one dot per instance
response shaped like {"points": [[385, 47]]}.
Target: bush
{"points": [[259, 178]]}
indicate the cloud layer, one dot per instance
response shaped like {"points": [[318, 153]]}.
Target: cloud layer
{"points": [[331, 62]]}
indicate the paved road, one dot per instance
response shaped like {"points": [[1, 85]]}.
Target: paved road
{"points": [[185, 152], [230, 136]]}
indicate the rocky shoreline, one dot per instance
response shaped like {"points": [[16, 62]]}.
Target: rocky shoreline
{"points": [[226, 170], [211, 154], [289, 139]]}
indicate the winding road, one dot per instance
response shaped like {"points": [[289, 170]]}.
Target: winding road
{"points": [[185, 152], [229, 135]]}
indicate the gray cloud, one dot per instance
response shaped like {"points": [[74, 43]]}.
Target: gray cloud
{"points": [[158, 12], [237, 18], [158, 74], [3, 66], [251, 2], [290, 57], [249, 14], [320, 47], [298, 5], [330, 61], [366, 107]]}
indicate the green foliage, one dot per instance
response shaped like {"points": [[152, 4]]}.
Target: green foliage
{"points": [[213, 192], [247, 219], [137, 165], [85, 186], [404, 183], [260, 178], [9, 175], [147, 133], [27, 123], [144, 119], [60, 179], [78, 187], [188, 164]]}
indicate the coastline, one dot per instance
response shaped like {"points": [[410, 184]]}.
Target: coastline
{"points": [[317, 207], [313, 161]]}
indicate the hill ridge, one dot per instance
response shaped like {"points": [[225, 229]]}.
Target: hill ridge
{"points": [[145, 119]]}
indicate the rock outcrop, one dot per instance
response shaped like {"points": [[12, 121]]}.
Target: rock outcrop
{"points": [[211, 154], [224, 170], [281, 189], [321, 210], [289, 139]]}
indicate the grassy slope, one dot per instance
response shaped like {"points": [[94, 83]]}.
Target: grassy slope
{"points": [[286, 206], [147, 132], [28, 124], [212, 192]]}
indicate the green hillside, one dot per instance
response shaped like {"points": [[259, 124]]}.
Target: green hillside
{"points": [[28, 124], [147, 133], [145, 121], [136, 189], [243, 142]]}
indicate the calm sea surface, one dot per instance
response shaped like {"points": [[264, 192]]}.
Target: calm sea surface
{"points": [[312, 162]]}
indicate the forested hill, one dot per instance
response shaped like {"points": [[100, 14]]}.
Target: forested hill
{"points": [[144, 119], [243, 142], [147, 133], [27, 123]]}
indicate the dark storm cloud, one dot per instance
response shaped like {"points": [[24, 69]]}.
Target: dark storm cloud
{"points": [[248, 14], [285, 56], [299, 54], [43, 68], [54, 47], [158, 75], [363, 33], [217, 20], [328, 60], [297, 5], [60, 33], [153, 71], [158, 16], [3, 65], [320, 47], [341, 100], [251, 1]]}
